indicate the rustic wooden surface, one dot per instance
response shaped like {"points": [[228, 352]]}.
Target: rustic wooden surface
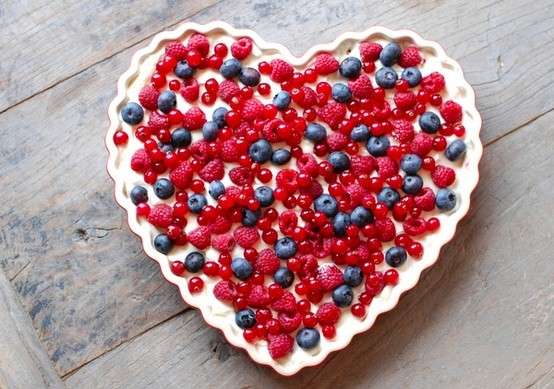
{"points": [[482, 317]]}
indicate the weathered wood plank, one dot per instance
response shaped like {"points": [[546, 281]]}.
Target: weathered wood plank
{"points": [[23, 362], [481, 318]]}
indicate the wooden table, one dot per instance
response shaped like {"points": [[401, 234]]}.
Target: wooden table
{"points": [[81, 305]]}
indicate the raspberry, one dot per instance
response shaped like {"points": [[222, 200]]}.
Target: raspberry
{"points": [[386, 167], [289, 322], [194, 118], [176, 50], [190, 90], [337, 141], [246, 236], [269, 131], [451, 112], [220, 225], [242, 130], [258, 296], [322, 249], [158, 122], [425, 200], [363, 252], [309, 266], [403, 130], [213, 170], [199, 150], [332, 113], [280, 345], [356, 193], [422, 144], [443, 176], [310, 97], [328, 314], [225, 291], [227, 90], [329, 276], [369, 51], [233, 191], [148, 97], [267, 262], [314, 190], [325, 63], [414, 227], [362, 164], [160, 215], [200, 43], [361, 87], [242, 48], [252, 109], [281, 70], [285, 303], [405, 100], [230, 151], [409, 57], [181, 176], [433, 83], [200, 237], [286, 178], [307, 163], [140, 161], [241, 176], [386, 231], [223, 243]]}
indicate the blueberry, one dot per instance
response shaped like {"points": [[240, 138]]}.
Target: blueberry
{"points": [[389, 54], [386, 77], [343, 296], [283, 277], [249, 76], [326, 204], [377, 146], [260, 151], [242, 269], [183, 70], [167, 101], [360, 133], [264, 194], [455, 150], [395, 256], [139, 194], [307, 338], [162, 243], [412, 184], [194, 261], [388, 196], [216, 189], [350, 67], [196, 202], [361, 216], [339, 160], [429, 122], [249, 217], [163, 188], [181, 137], [412, 76], [446, 199], [210, 130], [230, 68], [218, 116], [353, 276], [280, 156], [281, 100], [285, 248], [340, 222], [341, 93], [132, 113], [245, 318], [410, 163], [315, 132], [166, 147]]}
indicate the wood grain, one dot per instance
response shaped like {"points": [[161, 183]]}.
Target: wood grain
{"points": [[481, 318], [23, 362]]}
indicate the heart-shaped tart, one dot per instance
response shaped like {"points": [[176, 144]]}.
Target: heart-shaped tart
{"points": [[292, 200]]}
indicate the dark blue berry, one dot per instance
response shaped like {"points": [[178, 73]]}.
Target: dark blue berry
{"points": [[339, 160], [139, 194], [445, 199], [350, 67], [162, 243], [412, 184], [377, 146], [250, 218], [245, 318], [340, 222], [326, 204], [280, 156], [455, 149], [184, 70], [285, 248], [389, 54], [343, 296], [429, 122], [216, 189], [230, 68], [386, 77], [307, 338], [353, 276], [315, 132], [282, 100], [361, 216], [167, 101], [242, 269], [166, 147], [164, 188], [360, 133], [194, 261], [341, 93], [249, 76], [388, 196], [410, 163], [218, 116], [395, 256], [264, 194], [181, 137], [284, 277], [132, 113], [210, 131], [412, 76], [196, 202], [260, 151]]}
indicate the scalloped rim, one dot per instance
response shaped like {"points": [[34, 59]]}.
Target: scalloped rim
{"points": [[445, 234]]}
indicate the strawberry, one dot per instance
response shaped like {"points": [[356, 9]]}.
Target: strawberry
{"points": [[225, 291], [160, 215], [325, 63], [329, 276], [200, 237]]}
